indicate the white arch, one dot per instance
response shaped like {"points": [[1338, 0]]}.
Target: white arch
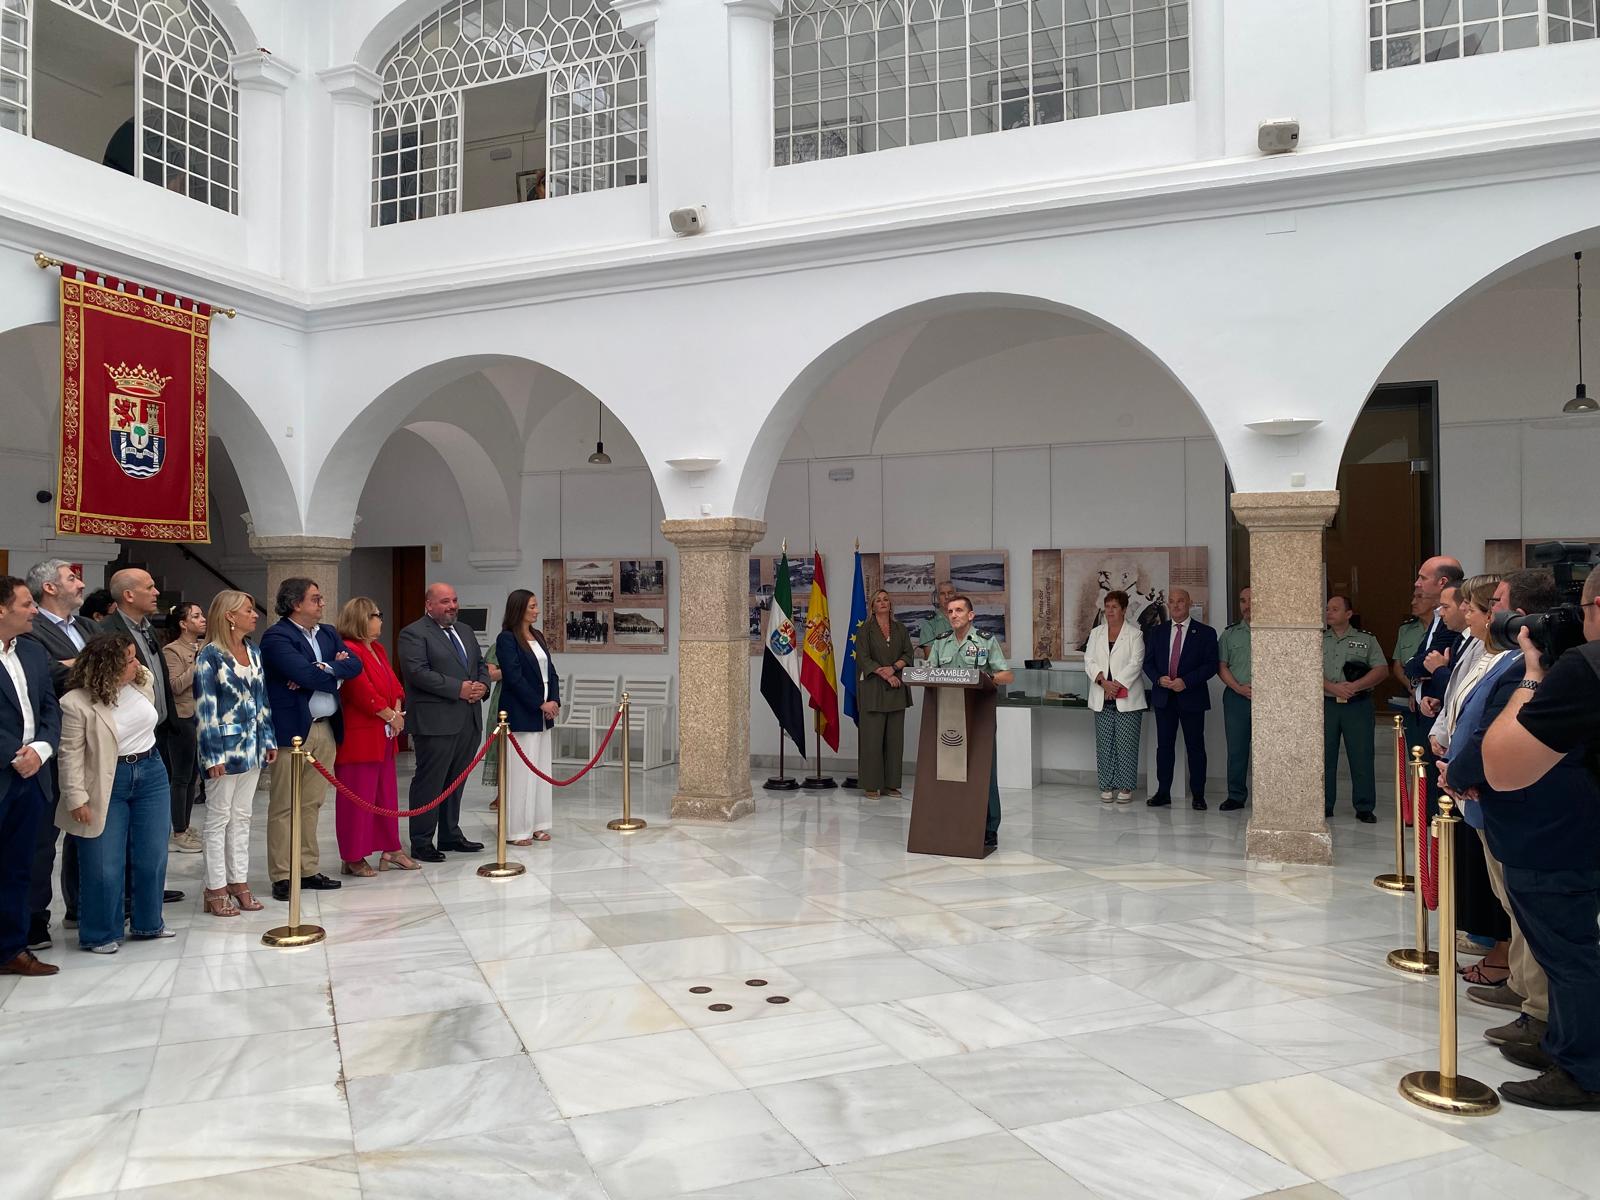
{"points": [[491, 510]]}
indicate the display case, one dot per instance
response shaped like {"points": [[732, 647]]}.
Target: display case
{"points": [[1062, 685]]}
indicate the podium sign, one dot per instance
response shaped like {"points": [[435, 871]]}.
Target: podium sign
{"points": [[951, 710], [954, 758]]}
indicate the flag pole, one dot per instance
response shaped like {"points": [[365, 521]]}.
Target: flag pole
{"points": [[780, 782], [850, 781], [818, 782]]}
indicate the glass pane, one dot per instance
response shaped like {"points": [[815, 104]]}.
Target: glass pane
{"points": [[1481, 39], [1403, 16], [1442, 45], [1519, 33]]}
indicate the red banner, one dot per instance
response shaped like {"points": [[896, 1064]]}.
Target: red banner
{"points": [[134, 366]]}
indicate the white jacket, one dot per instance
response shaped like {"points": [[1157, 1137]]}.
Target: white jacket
{"points": [[1124, 663]]}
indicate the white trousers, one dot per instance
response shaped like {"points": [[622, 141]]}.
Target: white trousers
{"points": [[226, 837], [529, 799]]}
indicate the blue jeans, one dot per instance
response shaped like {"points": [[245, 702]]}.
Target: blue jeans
{"points": [[134, 842]]}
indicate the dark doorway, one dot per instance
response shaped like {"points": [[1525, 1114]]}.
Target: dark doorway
{"points": [[410, 576]]}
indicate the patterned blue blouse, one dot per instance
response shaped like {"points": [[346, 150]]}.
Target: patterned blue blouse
{"points": [[231, 704]]}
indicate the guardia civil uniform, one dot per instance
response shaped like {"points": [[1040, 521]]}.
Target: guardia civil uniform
{"points": [[1233, 652], [981, 650], [1352, 720], [1406, 644], [934, 628]]}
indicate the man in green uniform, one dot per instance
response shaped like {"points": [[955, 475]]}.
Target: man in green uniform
{"points": [[964, 645], [1409, 639], [1233, 667], [936, 626], [1352, 665]]}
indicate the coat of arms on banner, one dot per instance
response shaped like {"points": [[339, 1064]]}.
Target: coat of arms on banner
{"points": [[138, 441]]}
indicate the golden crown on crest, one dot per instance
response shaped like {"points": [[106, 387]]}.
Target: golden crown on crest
{"points": [[138, 380]]}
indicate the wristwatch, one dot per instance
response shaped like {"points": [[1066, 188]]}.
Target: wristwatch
{"points": [[1531, 685]]}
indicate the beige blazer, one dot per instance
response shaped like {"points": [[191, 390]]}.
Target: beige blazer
{"points": [[88, 757]]}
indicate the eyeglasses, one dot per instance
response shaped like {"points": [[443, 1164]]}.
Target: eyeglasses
{"points": [[376, 613]]}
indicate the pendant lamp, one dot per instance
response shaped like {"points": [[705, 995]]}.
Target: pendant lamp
{"points": [[599, 458], [1581, 401]]}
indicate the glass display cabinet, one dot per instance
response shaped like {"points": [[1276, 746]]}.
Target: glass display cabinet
{"points": [[1061, 685]]}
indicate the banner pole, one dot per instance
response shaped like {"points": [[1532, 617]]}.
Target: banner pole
{"points": [[501, 868], [1418, 959], [1443, 1090], [629, 823], [780, 782], [294, 933], [1398, 881], [818, 782]]}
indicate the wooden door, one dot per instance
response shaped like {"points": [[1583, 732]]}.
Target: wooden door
{"points": [[409, 580]]}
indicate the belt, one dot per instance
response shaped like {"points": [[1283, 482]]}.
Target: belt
{"points": [[320, 720], [137, 758]]}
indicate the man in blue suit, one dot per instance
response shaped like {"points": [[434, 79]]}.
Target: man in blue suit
{"points": [[30, 731], [305, 663], [1180, 657]]}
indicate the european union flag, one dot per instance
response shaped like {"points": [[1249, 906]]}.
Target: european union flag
{"points": [[858, 617]]}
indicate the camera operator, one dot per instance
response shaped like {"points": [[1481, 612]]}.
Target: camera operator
{"points": [[1540, 764]]}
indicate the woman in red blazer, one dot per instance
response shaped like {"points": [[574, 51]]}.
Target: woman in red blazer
{"points": [[371, 704]]}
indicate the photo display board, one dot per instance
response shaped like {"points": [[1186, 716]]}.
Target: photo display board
{"points": [[606, 605], [1070, 586], [910, 578]]}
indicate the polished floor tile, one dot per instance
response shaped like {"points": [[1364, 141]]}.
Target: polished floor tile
{"points": [[606, 1076], [959, 1170]]}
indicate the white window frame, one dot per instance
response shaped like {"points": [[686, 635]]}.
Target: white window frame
{"points": [[1408, 33]]}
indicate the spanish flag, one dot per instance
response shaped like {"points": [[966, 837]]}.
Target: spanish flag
{"points": [[816, 667]]}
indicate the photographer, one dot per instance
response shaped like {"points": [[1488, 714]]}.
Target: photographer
{"points": [[1540, 789]]}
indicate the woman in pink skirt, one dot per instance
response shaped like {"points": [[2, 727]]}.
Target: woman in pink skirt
{"points": [[373, 719]]}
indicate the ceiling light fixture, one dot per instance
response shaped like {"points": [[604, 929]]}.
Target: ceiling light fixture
{"points": [[599, 458], [1581, 401]]}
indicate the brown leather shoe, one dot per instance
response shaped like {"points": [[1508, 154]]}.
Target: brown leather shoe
{"points": [[26, 964]]}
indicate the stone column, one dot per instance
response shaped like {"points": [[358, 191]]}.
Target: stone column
{"points": [[713, 666], [316, 558], [1286, 578]]}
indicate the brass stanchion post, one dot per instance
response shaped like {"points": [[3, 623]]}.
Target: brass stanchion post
{"points": [[628, 823], [294, 933], [1399, 881], [1418, 959], [501, 868], [1443, 1090]]}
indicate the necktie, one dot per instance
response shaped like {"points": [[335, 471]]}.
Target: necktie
{"points": [[1177, 649], [455, 644]]}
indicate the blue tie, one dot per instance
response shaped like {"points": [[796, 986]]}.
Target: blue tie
{"points": [[455, 644]]}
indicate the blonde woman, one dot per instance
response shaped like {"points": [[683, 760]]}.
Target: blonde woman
{"points": [[114, 793], [236, 741]]}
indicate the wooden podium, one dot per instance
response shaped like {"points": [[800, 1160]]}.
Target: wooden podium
{"points": [[955, 756]]}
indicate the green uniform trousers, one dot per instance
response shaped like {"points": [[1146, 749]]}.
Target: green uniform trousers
{"points": [[1354, 723], [882, 740], [1236, 720]]}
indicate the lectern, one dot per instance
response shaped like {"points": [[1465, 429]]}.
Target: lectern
{"points": [[955, 756]]}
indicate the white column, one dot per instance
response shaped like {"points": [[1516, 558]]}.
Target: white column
{"points": [[354, 91], [1347, 70], [750, 88], [265, 201], [1207, 87]]}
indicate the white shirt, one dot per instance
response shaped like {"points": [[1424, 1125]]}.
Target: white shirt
{"points": [[1416, 688], [323, 704], [135, 719], [1178, 627], [544, 666], [19, 680], [67, 627]]}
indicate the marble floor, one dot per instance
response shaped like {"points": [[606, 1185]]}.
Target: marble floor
{"points": [[1114, 1005]]}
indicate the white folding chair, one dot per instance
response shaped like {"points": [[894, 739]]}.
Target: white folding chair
{"points": [[588, 703], [652, 722]]}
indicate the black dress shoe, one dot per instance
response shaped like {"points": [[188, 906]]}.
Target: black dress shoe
{"points": [[1528, 1056], [1230, 805], [1554, 1089], [461, 847], [280, 890], [991, 843], [1367, 818], [426, 854], [318, 883], [1158, 801], [1198, 804], [171, 897]]}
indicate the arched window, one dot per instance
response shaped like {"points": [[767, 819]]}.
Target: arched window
{"points": [[854, 76], [1405, 32], [585, 126], [183, 133]]}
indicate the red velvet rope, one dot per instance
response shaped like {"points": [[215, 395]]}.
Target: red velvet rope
{"points": [[1430, 853], [589, 766], [1402, 776], [362, 802]]}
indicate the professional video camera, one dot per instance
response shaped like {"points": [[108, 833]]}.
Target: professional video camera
{"points": [[1555, 631]]}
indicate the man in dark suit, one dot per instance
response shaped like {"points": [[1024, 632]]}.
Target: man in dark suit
{"points": [[1428, 668], [30, 731], [1180, 657], [62, 632], [305, 662], [446, 680]]}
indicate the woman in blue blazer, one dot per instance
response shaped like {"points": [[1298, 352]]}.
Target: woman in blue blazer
{"points": [[530, 695]]}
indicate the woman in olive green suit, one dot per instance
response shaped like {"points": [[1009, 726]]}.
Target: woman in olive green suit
{"points": [[883, 649]]}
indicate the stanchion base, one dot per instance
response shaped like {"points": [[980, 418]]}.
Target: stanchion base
{"points": [[1418, 962], [1394, 883], [1460, 1096], [501, 870], [850, 781], [818, 783], [626, 824], [294, 935], [781, 783]]}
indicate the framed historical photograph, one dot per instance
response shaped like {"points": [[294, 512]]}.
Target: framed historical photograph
{"points": [[908, 573], [641, 627], [588, 628], [910, 578], [642, 577], [977, 572], [551, 612], [991, 619], [1085, 576], [590, 582], [581, 611], [530, 185]]}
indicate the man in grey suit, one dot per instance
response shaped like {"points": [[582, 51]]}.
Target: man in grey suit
{"points": [[62, 633], [446, 680]]}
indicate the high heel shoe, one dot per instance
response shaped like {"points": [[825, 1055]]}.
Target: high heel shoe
{"points": [[242, 897], [361, 869], [219, 903], [397, 861]]}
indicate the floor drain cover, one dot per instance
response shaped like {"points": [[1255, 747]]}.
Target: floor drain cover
{"points": [[721, 1007], [755, 983], [701, 990], [777, 999]]}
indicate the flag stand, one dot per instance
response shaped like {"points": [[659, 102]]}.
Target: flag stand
{"points": [[818, 782], [780, 782]]}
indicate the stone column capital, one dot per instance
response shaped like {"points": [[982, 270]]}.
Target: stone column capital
{"points": [[352, 84], [638, 17], [299, 548], [261, 71], [761, 10], [1285, 510], [714, 533]]}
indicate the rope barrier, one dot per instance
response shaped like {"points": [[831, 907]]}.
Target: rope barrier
{"points": [[587, 767], [1429, 858], [363, 803], [1401, 782]]}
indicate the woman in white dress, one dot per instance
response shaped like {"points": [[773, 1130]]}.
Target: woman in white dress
{"points": [[530, 696]]}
